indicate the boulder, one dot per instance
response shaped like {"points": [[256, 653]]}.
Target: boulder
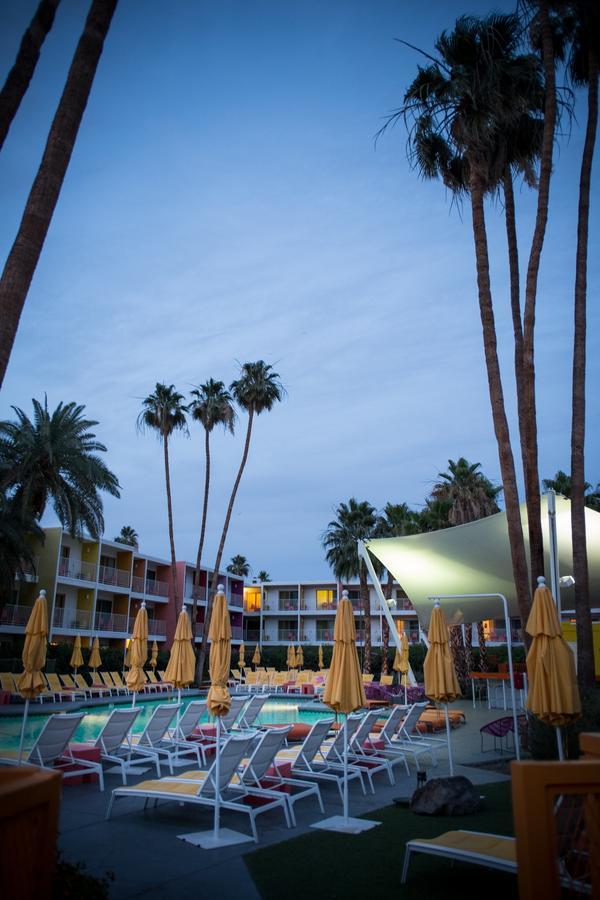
{"points": [[455, 796]]}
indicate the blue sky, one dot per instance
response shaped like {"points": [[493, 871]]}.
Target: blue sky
{"points": [[225, 202]]}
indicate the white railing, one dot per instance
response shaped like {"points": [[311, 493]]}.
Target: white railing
{"points": [[112, 622], [157, 588], [79, 619], [76, 569], [116, 577], [15, 615], [137, 584]]}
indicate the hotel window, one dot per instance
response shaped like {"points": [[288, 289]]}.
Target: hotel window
{"points": [[252, 599], [108, 562], [288, 595], [354, 595], [325, 599]]}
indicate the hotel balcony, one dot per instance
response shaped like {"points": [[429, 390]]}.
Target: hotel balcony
{"points": [[116, 577], [137, 584], [76, 570], [112, 623], [14, 616], [156, 627], [252, 635], [72, 619], [156, 588], [286, 636]]}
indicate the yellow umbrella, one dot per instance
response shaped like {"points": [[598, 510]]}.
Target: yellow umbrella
{"points": [[344, 693], [401, 663], [553, 694], [31, 683], [95, 661], [441, 683], [291, 657], [154, 658], [180, 670], [320, 663], [76, 660], [127, 659], [138, 652], [299, 657], [219, 635], [241, 659], [256, 656]]}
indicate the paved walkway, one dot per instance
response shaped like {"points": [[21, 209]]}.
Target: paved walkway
{"points": [[148, 860]]}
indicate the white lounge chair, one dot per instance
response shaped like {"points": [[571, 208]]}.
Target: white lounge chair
{"points": [[155, 742], [198, 788], [362, 754], [183, 735], [51, 749], [230, 718], [114, 741], [491, 850], [252, 711]]}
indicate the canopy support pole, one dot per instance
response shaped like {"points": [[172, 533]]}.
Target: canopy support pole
{"points": [[553, 551], [504, 601], [364, 555]]}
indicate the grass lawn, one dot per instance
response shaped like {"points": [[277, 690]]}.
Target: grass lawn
{"points": [[329, 865]]}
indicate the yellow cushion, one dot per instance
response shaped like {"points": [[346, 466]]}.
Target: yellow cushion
{"points": [[495, 845]]}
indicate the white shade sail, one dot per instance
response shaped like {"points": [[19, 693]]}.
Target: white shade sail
{"points": [[475, 559]]}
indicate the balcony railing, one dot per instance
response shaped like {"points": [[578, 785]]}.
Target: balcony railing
{"points": [[237, 632], [111, 622], [287, 606], [236, 600], [79, 619], [15, 615], [155, 626], [287, 635], [28, 570], [116, 577], [325, 635], [252, 635], [326, 605], [252, 608], [137, 584], [76, 569], [157, 588]]}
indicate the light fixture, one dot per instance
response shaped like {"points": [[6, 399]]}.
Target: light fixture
{"points": [[566, 581]]}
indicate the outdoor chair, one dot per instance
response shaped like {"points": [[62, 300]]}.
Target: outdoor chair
{"points": [[93, 690], [198, 788], [409, 740], [185, 734], [230, 718], [491, 850], [114, 741], [499, 729], [59, 691], [251, 711], [107, 680], [362, 753], [158, 685], [334, 753], [51, 749], [308, 760], [154, 742], [118, 682]]}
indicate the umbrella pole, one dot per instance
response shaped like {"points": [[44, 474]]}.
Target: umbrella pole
{"points": [[451, 766], [405, 694], [346, 768], [133, 699], [561, 752], [22, 739], [217, 780]]}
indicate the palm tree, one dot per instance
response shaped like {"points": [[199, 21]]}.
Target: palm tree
{"points": [[434, 515], [127, 535], [20, 75], [164, 412], [397, 520], [583, 69], [54, 457], [356, 521], [459, 105], [239, 566], [257, 390], [562, 484], [43, 197], [212, 405], [470, 494], [18, 528], [263, 577]]}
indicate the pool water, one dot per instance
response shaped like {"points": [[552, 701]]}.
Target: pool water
{"points": [[275, 711]]}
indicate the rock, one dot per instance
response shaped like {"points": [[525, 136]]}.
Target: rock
{"points": [[446, 797]]}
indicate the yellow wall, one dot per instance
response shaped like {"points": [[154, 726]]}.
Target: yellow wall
{"points": [[570, 635]]}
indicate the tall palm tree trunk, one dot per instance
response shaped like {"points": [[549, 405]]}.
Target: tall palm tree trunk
{"points": [[25, 252], [19, 77], [585, 648], [202, 527], [215, 581], [366, 605], [170, 518], [532, 477], [515, 308], [507, 465]]}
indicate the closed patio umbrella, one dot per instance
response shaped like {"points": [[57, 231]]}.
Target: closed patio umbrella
{"points": [[219, 703], [241, 657], [154, 658], [76, 660], [553, 693], [320, 662], [401, 664], [291, 657], [127, 657], [95, 660], [441, 683], [344, 693], [138, 652], [181, 667], [256, 656], [31, 683], [299, 657]]}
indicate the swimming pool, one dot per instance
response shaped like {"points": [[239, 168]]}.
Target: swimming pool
{"points": [[275, 711]]}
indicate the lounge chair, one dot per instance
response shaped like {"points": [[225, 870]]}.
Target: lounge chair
{"points": [[308, 760], [107, 680], [155, 743], [251, 711], [158, 685], [60, 691], [8, 682], [198, 788], [51, 749], [91, 690], [230, 718], [333, 753], [491, 850], [184, 734], [114, 741], [367, 679], [119, 683], [363, 755], [386, 680], [151, 687], [404, 738]]}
